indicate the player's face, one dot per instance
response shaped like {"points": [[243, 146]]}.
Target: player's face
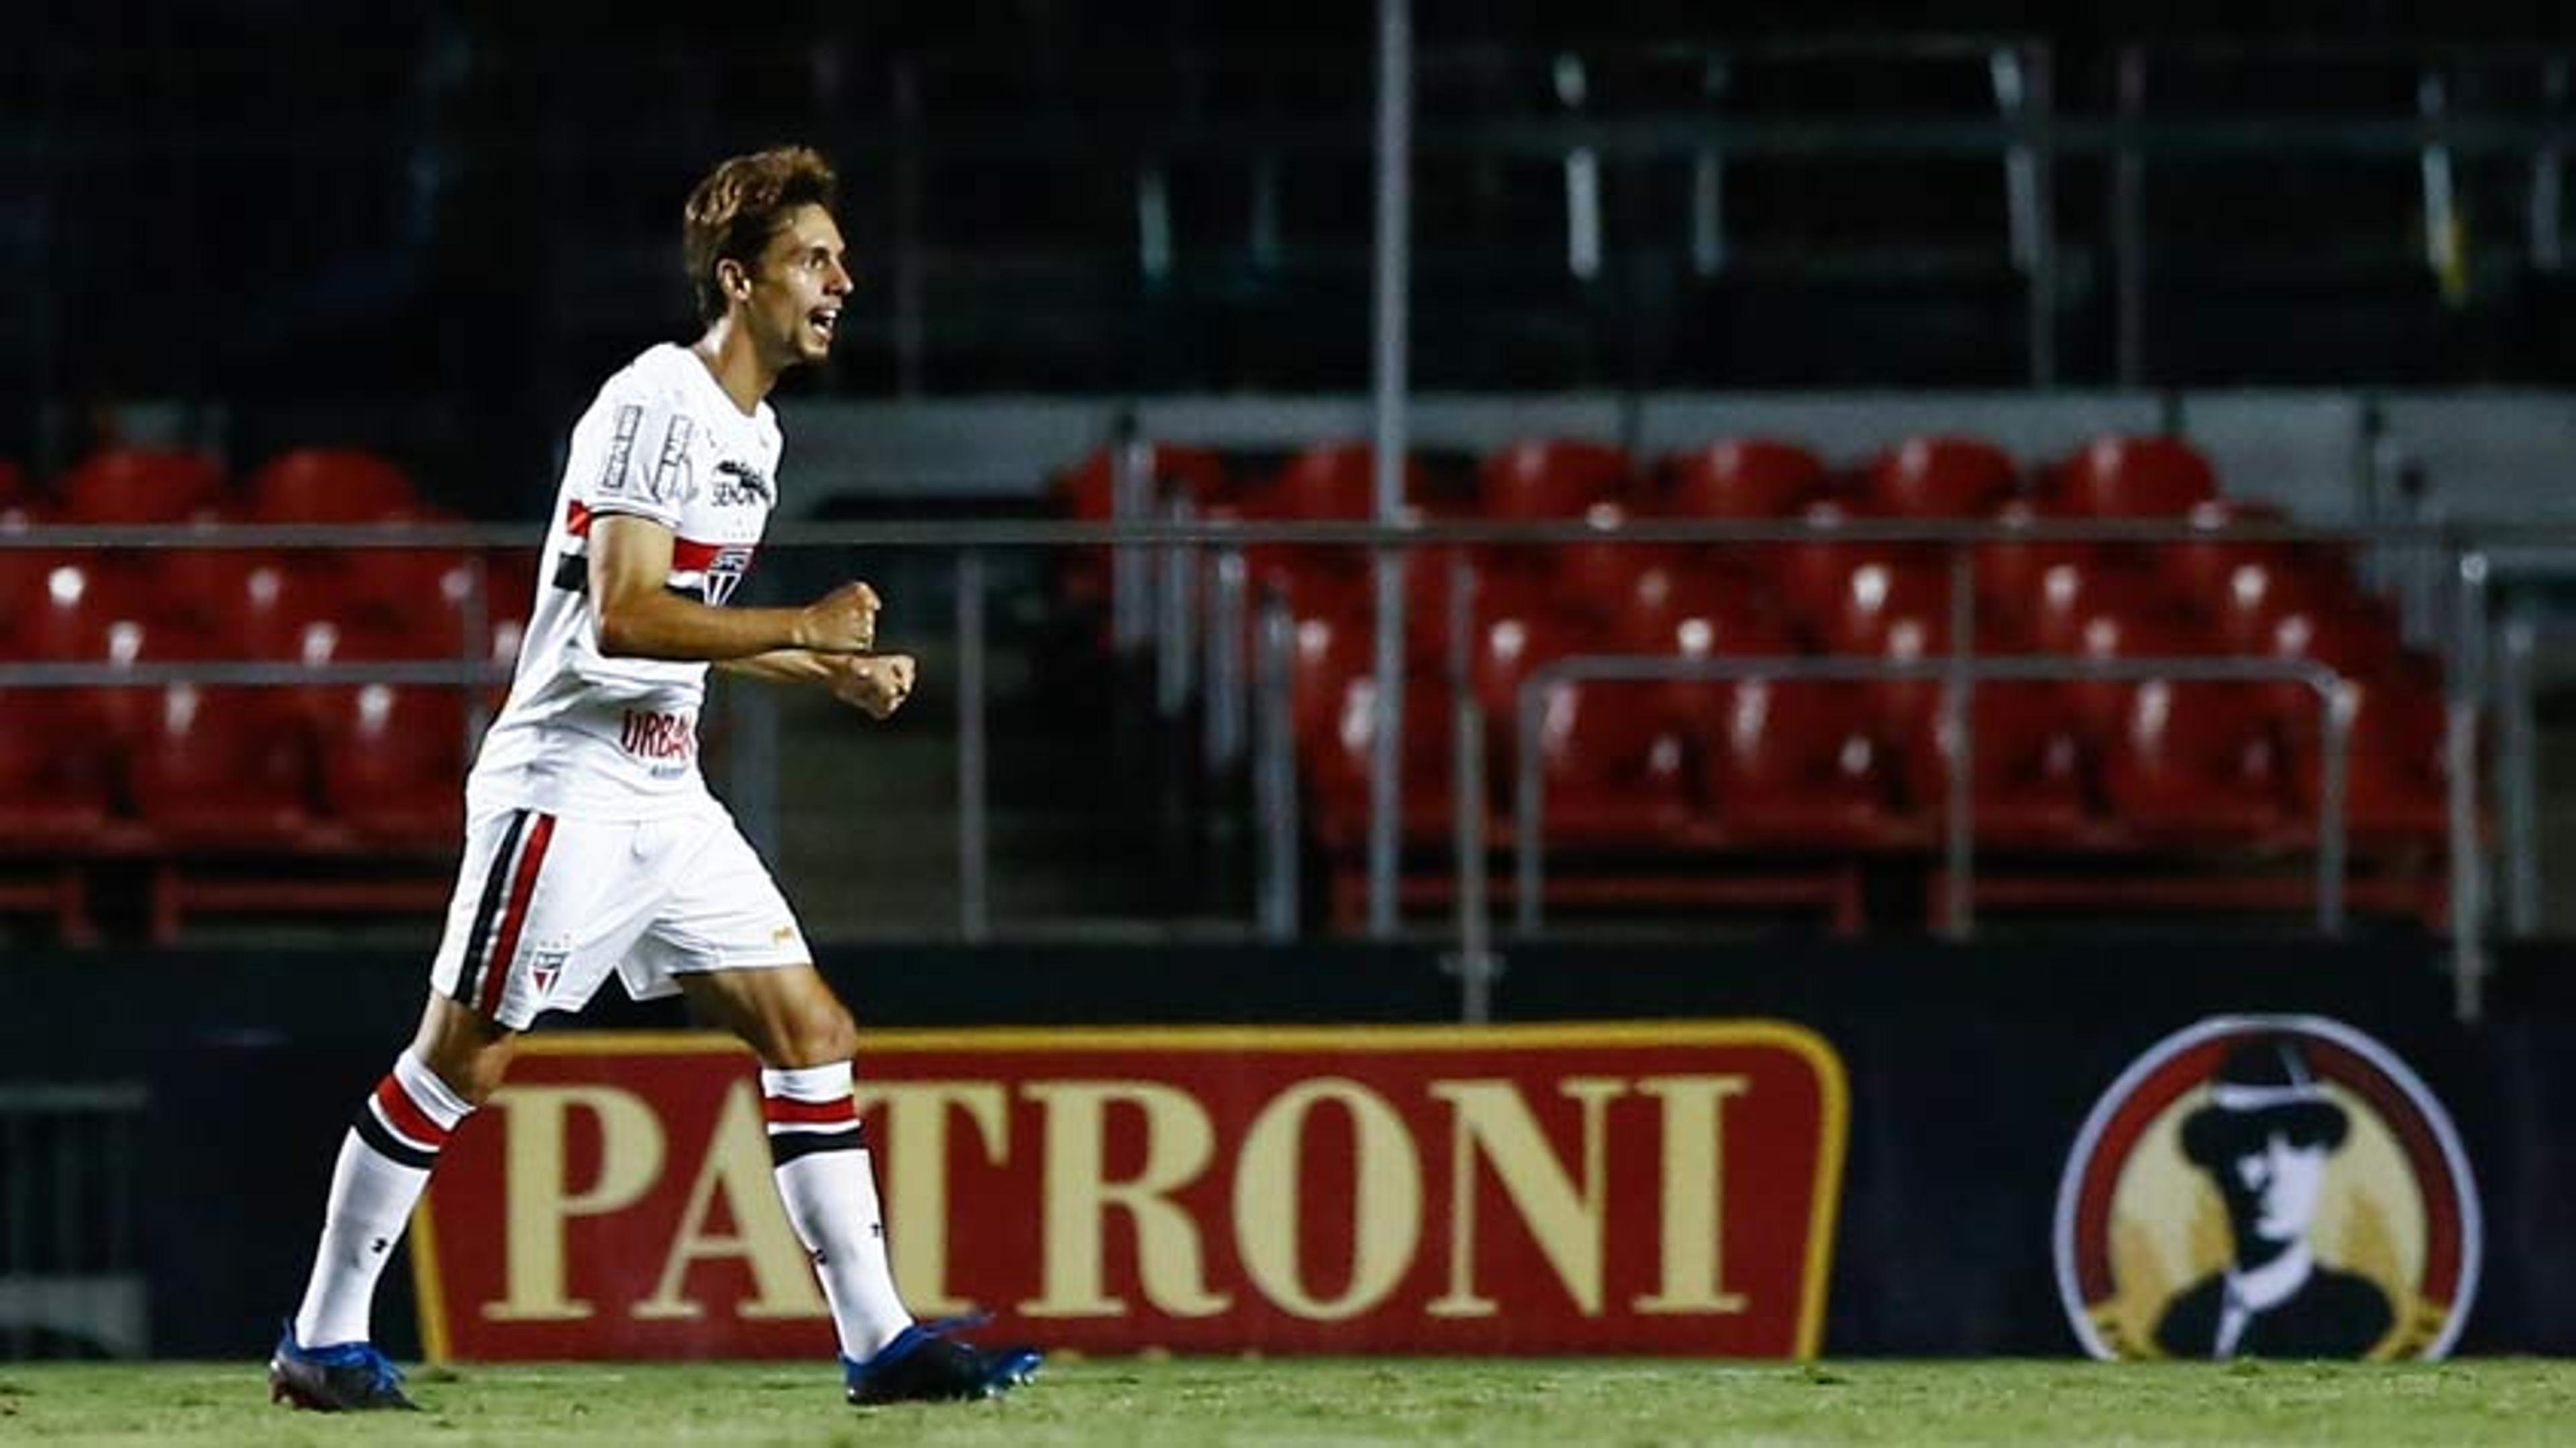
{"points": [[800, 286], [2283, 1179]]}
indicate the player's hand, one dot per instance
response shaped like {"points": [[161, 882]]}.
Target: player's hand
{"points": [[877, 684], [843, 621]]}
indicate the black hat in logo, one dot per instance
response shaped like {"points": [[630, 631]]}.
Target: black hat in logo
{"points": [[2263, 1086]]}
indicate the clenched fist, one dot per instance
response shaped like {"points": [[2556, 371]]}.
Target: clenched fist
{"points": [[843, 621], [875, 683]]}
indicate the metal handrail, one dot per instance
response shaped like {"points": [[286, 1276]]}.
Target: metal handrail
{"points": [[1039, 532], [1530, 701]]}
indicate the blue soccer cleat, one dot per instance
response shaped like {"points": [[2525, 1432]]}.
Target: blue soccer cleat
{"points": [[347, 1377], [925, 1365]]}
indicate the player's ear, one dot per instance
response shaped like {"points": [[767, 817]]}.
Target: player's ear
{"points": [[732, 280]]}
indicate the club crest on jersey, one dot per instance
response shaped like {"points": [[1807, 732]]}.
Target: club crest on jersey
{"points": [[725, 571], [2267, 1186]]}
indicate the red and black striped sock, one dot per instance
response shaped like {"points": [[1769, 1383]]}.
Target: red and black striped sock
{"points": [[385, 1162], [829, 1184]]}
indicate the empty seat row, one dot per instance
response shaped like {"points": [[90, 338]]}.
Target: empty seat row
{"points": [[316, 606], [1932, 477], [232, 767], [121, 485], [2172, 759]]}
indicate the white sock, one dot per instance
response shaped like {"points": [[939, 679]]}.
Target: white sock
{"points": [[829, 1184], [384, 1163]]}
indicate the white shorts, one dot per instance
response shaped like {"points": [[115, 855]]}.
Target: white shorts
{"points": [[546, 906]]}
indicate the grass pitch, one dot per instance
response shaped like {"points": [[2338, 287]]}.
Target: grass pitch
{"points": [[1199, 1403]]}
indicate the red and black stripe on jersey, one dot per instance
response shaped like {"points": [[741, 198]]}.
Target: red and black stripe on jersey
{"points": [[695, 566]]}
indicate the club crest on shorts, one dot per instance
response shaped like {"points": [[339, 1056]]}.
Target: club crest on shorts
{"points": [[2267, 1186]]}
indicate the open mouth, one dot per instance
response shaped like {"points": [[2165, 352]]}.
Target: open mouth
{"points": [[824, 320]]}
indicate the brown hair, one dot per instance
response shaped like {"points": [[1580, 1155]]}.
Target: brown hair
{"points": [[742, 202]]}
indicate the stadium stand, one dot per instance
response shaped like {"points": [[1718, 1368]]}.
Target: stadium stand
{"points": [[1771, 794], [269, 800]]}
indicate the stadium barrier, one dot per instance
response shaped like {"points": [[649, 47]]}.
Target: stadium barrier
{"points": [[2016, 1178]]}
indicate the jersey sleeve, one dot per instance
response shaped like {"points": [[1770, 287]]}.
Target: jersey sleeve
{"points": [[643, 464]]}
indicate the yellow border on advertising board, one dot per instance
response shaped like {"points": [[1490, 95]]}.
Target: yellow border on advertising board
{"points": [[1832, 1090]]}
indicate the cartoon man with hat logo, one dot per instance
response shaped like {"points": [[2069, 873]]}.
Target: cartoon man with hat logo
{"points": [[2264, 1136]]}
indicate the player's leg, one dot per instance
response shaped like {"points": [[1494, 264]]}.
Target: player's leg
{"points": [[805, 1040], [729, 941], [529, 892], [453, 1065], [793, 1021]]}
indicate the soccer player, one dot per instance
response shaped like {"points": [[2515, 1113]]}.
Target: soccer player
{"points": [[592, 845]]}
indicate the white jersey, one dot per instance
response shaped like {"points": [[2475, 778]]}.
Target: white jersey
{"points": [[615, 738]]}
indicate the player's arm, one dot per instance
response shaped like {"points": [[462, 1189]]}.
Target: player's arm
{"points": [[638, 616], [782, 666], [876, 684]]}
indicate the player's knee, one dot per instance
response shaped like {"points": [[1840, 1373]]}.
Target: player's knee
{"points": [[473, 1072], [821, 1034]]}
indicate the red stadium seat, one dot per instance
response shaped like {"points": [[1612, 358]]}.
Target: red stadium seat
{"points": [[424, 597], [16, 491], [252, 605], [2137, 477], [1331, 649], [1742, 478], [330, 485], [2358, 639], [2104, 705], [55, 768], [2197, 763], [2246, 609], [1088, 490], [134, 485], [1594, 577], [2197, 567], [335, 642], [1797, 764], [1898, 614], [56, 804], [2011, 574], [103, 615], [1867, 602], [24, 571], [1340, 762], [1612, 767], [1511, 646], [1336, 480], [1556, 478], [1940, 477], [2397, 771], [2030, 787], [1698, 616], [1813, 571], [2072, 594], [394, 758], [221, 769]]}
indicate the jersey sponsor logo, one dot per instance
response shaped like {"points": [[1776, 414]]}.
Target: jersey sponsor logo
{"points": [[2267, 1186], [739, 485], [658, 734]]}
